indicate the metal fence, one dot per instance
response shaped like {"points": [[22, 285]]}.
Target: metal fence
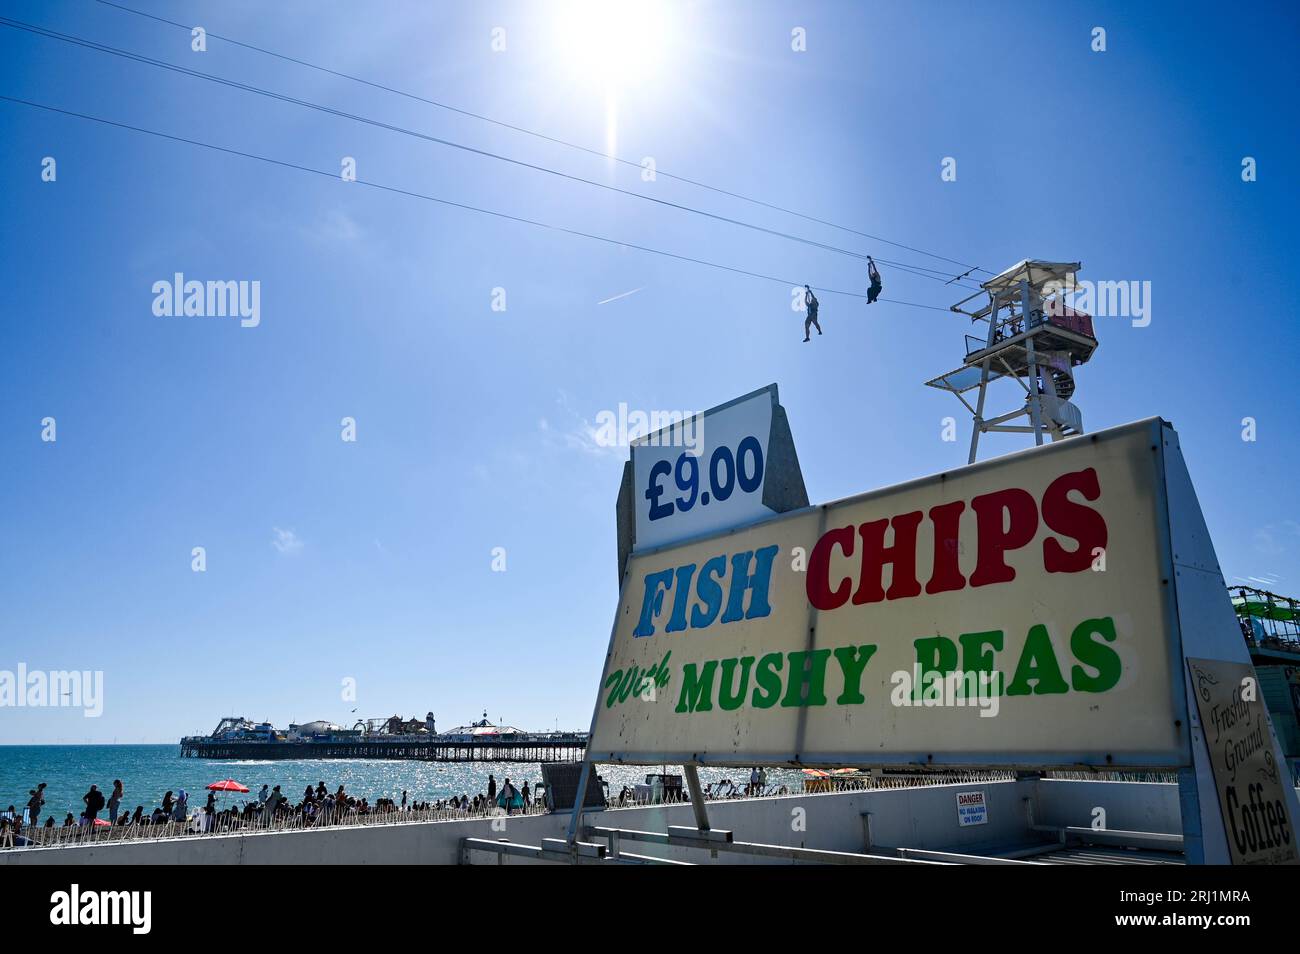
{"points": [[202, 825], [199, 826], [812, 785], [1157, 777]]}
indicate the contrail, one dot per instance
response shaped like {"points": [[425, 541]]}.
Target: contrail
{"points": [[624, 295]]}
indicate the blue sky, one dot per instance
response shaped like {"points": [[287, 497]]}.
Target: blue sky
{"points": [[471, 423]]}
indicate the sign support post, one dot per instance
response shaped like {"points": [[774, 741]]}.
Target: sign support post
{"points": [[692, 773], [580, 798], [1189, 807]]}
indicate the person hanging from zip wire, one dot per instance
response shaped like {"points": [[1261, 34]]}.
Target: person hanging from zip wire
{"points": [[810, 305], [874, 274]]}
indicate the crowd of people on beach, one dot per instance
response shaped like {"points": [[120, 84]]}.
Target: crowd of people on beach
{"points": [[318, 806], [270, 807]]}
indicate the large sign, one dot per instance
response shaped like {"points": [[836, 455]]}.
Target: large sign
{"points": [[1015, 612], [730, 465], [1239, 740]]}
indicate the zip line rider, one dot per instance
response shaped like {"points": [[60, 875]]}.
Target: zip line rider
{"points": [[810, 304], [874, 274]]}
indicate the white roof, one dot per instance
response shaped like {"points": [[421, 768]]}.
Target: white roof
{"points": [[1036, 271]]}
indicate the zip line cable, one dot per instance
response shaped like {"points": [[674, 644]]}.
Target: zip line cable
{"points": [[537, 135], [447, 202], [919, 271]]}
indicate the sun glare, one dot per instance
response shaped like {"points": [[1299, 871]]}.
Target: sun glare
{"points": [[611, 44]]}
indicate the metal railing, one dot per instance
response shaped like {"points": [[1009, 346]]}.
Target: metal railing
{"points": [[721, 791], [199, 826], [1014, 323], [1157, 777]]}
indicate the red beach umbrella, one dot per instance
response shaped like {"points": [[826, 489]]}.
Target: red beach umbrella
{"points": [[227, 785]]}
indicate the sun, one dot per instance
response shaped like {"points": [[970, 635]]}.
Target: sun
{"points": [[611, 44]]}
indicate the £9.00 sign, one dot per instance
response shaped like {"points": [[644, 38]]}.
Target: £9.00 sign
{"points": [[705, 474]]}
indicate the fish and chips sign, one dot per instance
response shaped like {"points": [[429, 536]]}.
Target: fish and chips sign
{"points": [[1020, 612], [1015, 611]]}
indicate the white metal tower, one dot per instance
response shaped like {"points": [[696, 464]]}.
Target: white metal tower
{"points": [[1033, 338]]}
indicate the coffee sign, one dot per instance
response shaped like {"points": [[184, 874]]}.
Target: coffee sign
{"points": [[1246, 773]]}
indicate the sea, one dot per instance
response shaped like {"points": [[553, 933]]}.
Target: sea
{"points": [[149, 771]]}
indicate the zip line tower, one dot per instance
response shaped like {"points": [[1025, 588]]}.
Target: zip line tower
{"points": [[1033, 338]]}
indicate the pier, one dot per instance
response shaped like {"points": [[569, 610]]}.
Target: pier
{"points": [[566, 748]]}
